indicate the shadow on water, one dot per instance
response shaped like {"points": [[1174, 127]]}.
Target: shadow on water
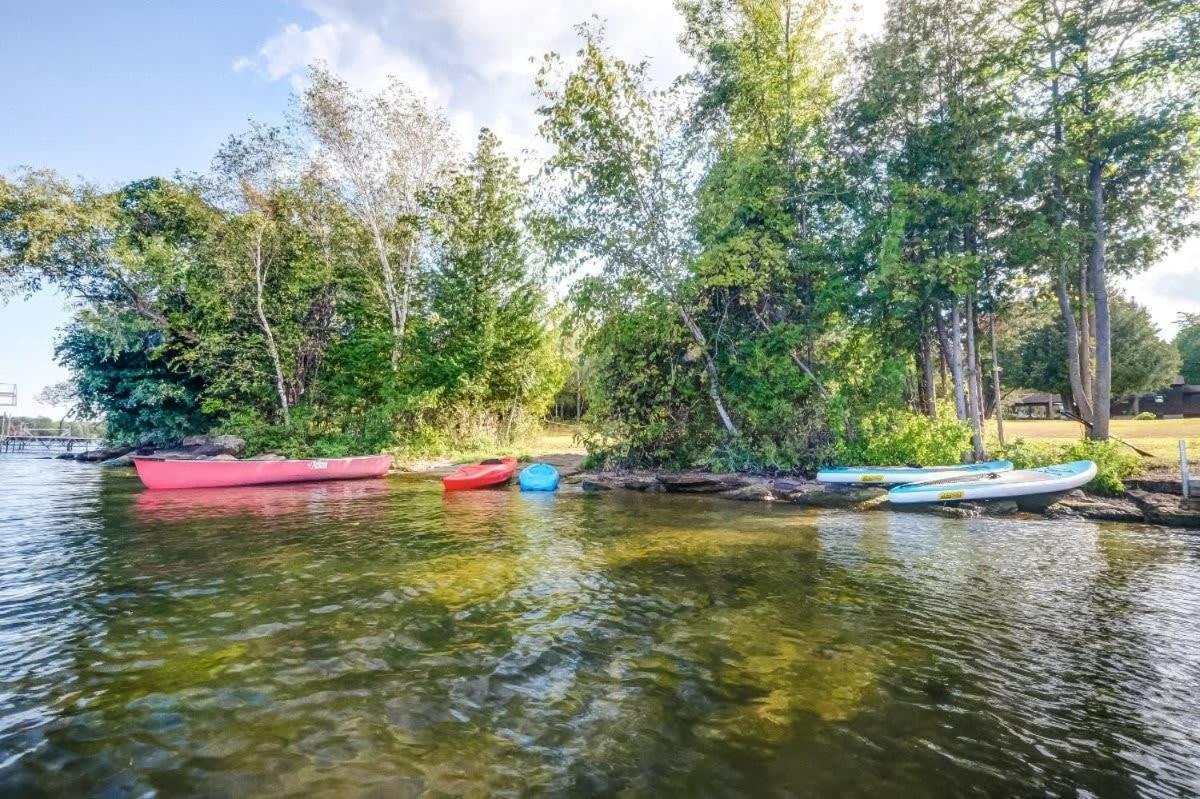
{"points": [[385, 638]]}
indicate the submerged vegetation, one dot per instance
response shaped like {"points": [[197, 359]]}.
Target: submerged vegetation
{"points": [[805, 249]]}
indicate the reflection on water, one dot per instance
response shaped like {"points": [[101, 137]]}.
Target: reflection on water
{"points": [[382, 638]]}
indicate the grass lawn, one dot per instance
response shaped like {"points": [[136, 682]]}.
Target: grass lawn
{"points": [[1159, 437]]}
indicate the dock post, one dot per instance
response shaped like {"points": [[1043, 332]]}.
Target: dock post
{"points": [[1185, 469]]}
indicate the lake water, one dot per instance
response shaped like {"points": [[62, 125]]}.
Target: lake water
{"points": [[383, 639]]}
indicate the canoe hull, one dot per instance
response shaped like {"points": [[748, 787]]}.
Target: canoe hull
{"points": [[159, 473], [899, 475], [1023, 483], [480, 475], [538, 477]]}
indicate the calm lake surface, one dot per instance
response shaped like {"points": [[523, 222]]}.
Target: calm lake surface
{"points": [[382, 639]]}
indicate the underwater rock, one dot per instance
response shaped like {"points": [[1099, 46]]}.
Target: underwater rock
{"points": [[759, 491]]}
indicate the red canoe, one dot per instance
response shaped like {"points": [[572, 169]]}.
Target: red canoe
{"points": [[165, 473], [481, 475]]}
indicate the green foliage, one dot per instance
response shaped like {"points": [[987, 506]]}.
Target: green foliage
{"points": [[124, 373], [1187, 342], [1141, 360], [901, 437], [1114, 461], [237, 303], [1145, 416], [646, 403]]}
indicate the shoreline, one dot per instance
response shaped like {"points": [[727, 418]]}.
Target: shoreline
{"points": [[1151, 499], [1146, 501]]}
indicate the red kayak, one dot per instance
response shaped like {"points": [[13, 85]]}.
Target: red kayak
{"points": [[493, 472], [171, 473]]}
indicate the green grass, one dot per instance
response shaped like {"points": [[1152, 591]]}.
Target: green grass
{"points": [[1159, 437]]}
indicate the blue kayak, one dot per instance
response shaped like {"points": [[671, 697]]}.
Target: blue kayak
{"points": [[538, 477]]}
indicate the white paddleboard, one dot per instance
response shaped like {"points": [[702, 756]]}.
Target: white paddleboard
{"points": [[997, 485], [898, 475]]}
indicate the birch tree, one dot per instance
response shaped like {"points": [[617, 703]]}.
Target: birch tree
{"points": [[252, 173], [382, 152], [623, 186]]}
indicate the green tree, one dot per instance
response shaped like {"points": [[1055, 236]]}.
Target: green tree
{"points": [[1142, 360], [1113, 120], [620, 186], [1187, 342], [487, 351]]}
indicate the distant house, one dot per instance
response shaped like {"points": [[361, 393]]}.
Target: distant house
{"points": [[1173, 402], [1037, 406]]}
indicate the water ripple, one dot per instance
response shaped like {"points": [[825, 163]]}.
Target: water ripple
{"points": [[381, 638]]}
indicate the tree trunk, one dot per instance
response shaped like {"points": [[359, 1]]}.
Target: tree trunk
{"points": [[930, 389], [260, 280], [996, 378], [710, 366], [578, 390], [1083, 402], [975, 396], [389, 291], [954, 355], [1086, 337], [1102, 389], [405, 296]]}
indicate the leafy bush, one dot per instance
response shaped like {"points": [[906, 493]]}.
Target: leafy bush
{"points": [[1114, 462], [1145, 416], [899, 437]]}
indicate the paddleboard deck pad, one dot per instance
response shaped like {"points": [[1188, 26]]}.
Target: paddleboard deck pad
{"points": [[899, 475]]}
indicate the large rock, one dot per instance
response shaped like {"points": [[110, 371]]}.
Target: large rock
{"points": [[1156, 484], [599, 482], [1167, 509], [957, 510], [222, 445], [784, 487], [757, 491], [1092, 507], [120, 460], [102, 454], [268, 456], [195, 441], [820, 495], [702, 482]]}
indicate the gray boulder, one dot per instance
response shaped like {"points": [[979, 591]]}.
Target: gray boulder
{"points": [[1167, 509], [1099, 508], [119, 461], [222, 445], [102, 454]]}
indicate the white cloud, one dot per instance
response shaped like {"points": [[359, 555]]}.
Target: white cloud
{"points": [[474, 58], [1170, 287]]}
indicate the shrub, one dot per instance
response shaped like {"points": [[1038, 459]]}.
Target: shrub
{"points": [[1113, 461], [898, 437], [1145, 416]]}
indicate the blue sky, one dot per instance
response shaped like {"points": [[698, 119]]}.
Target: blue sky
{"points": [[113, 91]]}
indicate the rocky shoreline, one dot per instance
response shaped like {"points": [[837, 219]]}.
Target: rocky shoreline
{"points": [[1153, 499], [1136, 506]]}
